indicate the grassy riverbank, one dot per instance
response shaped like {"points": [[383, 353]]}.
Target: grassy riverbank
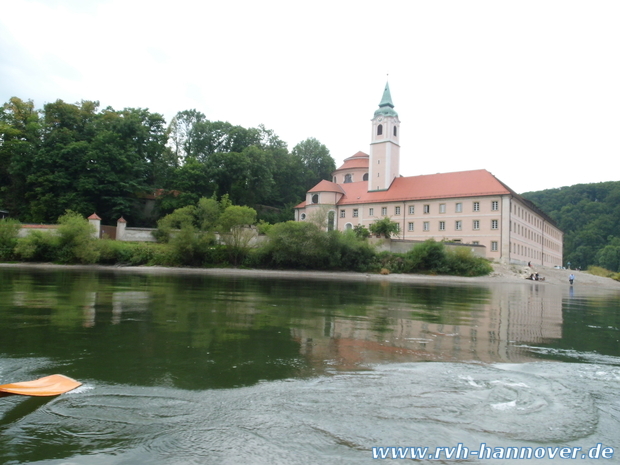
{"points": [[290, 246]]}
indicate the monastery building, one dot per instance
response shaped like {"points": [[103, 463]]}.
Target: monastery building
{"points": [[468, 207]]}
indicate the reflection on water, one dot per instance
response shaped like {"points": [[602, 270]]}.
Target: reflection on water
{"points": [[197, 369]]}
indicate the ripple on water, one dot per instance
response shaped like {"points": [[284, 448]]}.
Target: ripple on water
{"points": [[337, 419]]}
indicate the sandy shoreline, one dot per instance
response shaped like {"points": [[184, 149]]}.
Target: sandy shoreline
{"points": [[502, 274]]}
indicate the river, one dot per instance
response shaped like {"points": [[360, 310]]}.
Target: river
{"points": [[194, 369]]}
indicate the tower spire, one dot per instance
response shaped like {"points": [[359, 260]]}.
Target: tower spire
{"points": [[386, 107]]}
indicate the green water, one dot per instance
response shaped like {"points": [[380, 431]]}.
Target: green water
{"points": [[241, 367]]}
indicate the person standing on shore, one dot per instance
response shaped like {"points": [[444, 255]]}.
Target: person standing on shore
{"points": [[571, 278]]}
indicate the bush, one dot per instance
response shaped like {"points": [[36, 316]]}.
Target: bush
{"points": [[37, 246], [9, 228], [352, 252], [76, 243], [428, 257], [180, 218], [298, 245], [463, 262]]}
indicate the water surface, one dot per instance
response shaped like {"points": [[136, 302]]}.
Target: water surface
{"points": [[202, 369]]}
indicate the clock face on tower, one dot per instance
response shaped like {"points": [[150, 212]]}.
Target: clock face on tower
{"points": [[380, 118]]}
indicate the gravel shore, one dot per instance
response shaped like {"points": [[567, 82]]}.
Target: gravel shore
{"points": [[502, 274]]}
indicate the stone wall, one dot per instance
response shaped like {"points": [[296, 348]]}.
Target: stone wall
{"points": [[404, 246]]}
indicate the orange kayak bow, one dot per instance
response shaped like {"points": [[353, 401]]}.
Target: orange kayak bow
{"points": [[47, 386]]}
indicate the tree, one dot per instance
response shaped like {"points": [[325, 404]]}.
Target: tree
{"points": [[384, 227], [316, 161], [20, 138], [361, 232], [235, 230], [609, 256]]}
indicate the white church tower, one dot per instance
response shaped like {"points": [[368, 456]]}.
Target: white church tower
{"points": [[384, 145]]}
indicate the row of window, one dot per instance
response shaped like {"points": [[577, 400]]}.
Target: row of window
{"points": [[380, 130], [458, 225], [347, 179], [425, 208]]}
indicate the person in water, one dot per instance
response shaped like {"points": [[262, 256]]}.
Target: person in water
{"points": [[571, 278]]}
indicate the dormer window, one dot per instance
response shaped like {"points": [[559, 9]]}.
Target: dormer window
{"points": [[380, 129]]}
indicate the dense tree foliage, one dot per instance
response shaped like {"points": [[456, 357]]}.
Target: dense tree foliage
{"points": [[82, 158], [589, 215]]}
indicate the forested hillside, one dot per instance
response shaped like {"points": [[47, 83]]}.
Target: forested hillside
{"points": [[87, 159], [589, 215]]}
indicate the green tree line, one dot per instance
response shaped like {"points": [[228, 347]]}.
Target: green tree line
{"points": [[80, 157], [589, 215]]}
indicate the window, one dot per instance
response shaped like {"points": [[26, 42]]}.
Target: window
{"points": [[459, 207], [303, 216], [342, 214], [315, 198], [495, 205], [410, 226], [476, 224], [365, 177], [475, 243], [347, 178], [427, 226], [442, 208], [335, 179], [371, 212], [411, 209], [395, 131], [427, 208], [348, 226], [494, 224], [476, 206], [458, 225], [397, 210], [355, 213], [379, 129], [442, 225], [384, 211], [494, 246]]}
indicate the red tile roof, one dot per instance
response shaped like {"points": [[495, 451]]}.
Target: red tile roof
{"points": [[431, 186], [327, 186], [359, 160]]}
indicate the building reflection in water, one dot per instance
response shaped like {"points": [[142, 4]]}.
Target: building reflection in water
{"points": [[494, 332]]}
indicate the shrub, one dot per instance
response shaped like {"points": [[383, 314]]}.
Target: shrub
{"points": [[235, 231], [298, 245], [361, 232], [76, 243], [429, 257], [180, 218], [461, 261], [352, 252], [9, 228], [37, 246]]}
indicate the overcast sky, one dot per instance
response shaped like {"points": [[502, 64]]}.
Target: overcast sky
{"points": [[529, 90]]}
